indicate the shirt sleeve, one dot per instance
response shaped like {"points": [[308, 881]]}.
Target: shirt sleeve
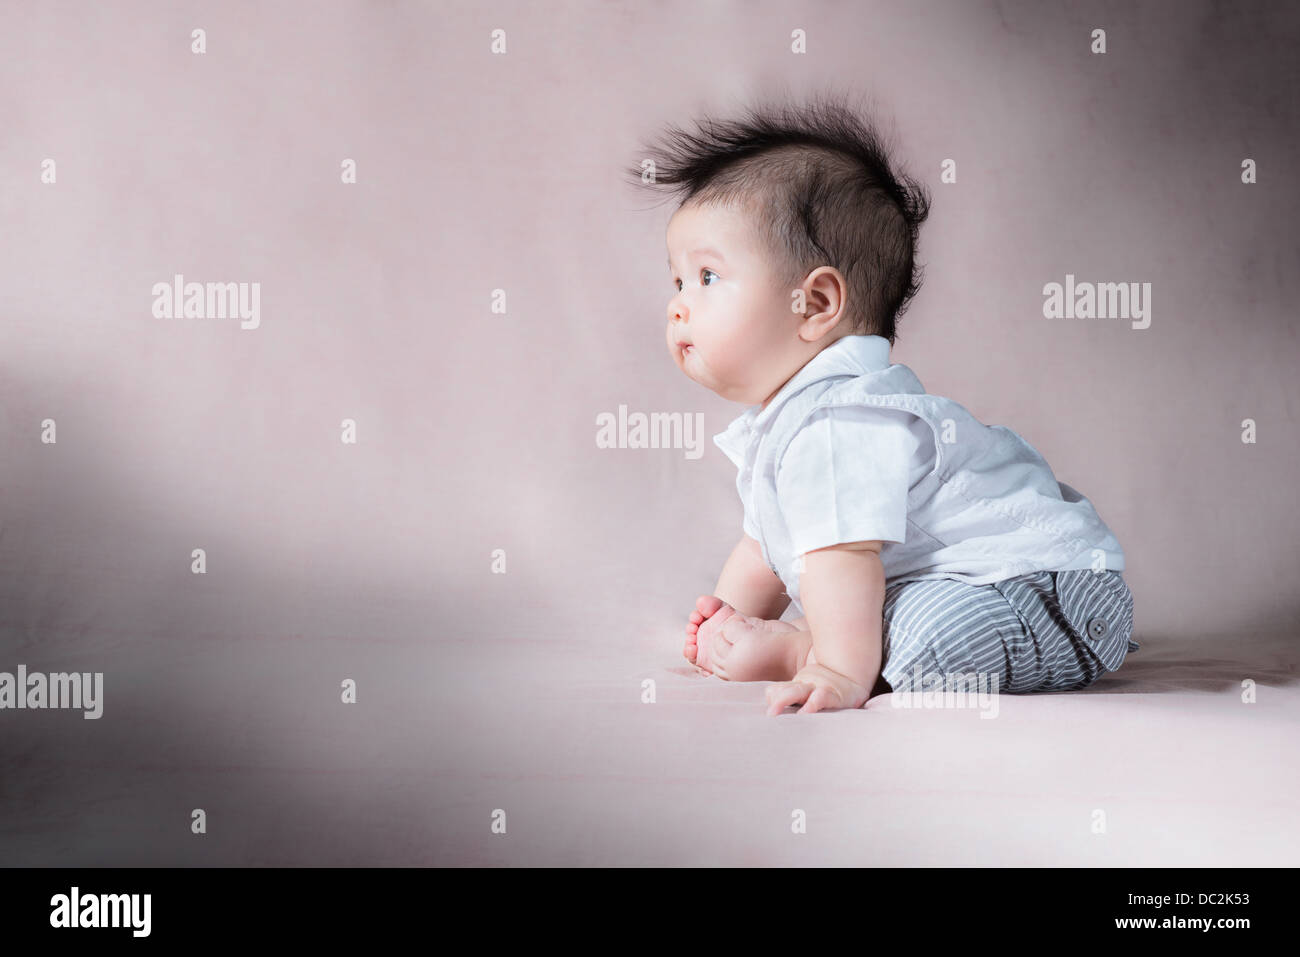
{"points": [[844, 477]]}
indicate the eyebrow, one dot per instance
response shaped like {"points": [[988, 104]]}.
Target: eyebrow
{"points": [[705, 251]]}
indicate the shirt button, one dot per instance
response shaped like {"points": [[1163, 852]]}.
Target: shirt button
{"points": [[1098, 627]]}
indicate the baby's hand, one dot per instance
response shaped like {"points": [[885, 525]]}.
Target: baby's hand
{"points": [[818, 688]]}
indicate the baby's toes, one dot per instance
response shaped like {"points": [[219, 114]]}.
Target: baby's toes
{"points": [[708, 605]]}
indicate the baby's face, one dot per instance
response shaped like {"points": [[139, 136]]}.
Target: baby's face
{"points": [[730, 327]]}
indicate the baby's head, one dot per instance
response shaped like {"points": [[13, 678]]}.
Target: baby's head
{"points": [[792, 231]]}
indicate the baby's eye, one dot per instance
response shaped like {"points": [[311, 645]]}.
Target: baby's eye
{"points": [[678, 283]]}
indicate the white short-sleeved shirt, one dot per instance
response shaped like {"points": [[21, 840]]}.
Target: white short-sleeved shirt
{"points": [[849, 449], [845, 476]]}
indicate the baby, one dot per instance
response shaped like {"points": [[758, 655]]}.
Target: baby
{"points": [[916, 542]]}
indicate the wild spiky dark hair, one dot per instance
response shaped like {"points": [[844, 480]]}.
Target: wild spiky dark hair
{"points": [[818, 181]]}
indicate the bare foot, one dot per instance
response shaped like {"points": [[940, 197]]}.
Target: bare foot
{"points": [[709, 615], [736, 647]]}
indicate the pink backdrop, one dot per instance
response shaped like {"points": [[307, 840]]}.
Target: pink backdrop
{"points": [[476, 430]]}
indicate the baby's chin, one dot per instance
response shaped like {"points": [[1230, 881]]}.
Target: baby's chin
{"points": [[696, 377], [698, 371], [688, 362], [723, 391]]}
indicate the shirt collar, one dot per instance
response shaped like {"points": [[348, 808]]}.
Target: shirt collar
{"points": [[846, 356]]}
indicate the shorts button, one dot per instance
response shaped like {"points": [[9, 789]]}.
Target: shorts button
{"points": [[1098, 627]]}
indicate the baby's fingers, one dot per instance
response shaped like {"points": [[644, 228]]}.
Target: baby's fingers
{"points": [[821, 699], [781, 696]]}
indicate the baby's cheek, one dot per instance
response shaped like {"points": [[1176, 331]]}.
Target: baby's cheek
{"points": [[723, 358]]}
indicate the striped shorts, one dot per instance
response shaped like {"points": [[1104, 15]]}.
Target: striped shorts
{"points": [[1046, 631]]}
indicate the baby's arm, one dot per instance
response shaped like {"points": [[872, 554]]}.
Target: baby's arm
{"points": [[748, 585], [842, 589]]}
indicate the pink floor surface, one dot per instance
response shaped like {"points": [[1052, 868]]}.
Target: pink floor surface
{"points": [[1160, 764]]}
